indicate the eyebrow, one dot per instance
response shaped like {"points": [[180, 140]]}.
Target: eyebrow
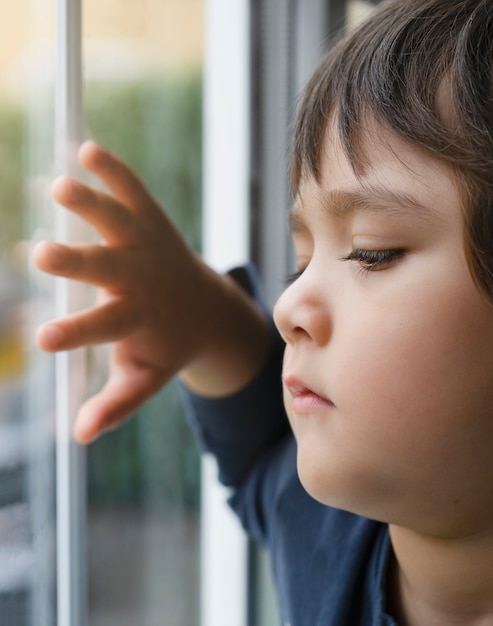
{"points": [[341, 203]]}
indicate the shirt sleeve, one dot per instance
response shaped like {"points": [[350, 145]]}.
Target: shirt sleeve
{"points": [[245, 431]]}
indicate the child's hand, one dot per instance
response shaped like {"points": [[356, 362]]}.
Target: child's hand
{"points": [[156, 298], [160, 305]]}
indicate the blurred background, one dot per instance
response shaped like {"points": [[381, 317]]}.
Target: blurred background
{"points": [[142, 98]]}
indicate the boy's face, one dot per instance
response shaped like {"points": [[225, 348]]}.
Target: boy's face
{"points": [[388, 371]]}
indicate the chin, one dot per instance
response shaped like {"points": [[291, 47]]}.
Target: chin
{"points": [[327, 485], [352, 491]]}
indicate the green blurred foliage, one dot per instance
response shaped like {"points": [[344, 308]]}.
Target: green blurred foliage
{"points": [[150, 461], [12, 212], [156, 128]]}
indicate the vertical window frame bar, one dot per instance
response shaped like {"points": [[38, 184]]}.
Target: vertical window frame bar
{"points": [[69, 366], [226, 242]]}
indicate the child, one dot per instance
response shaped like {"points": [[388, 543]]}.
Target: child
{"points": [[388, 325]]}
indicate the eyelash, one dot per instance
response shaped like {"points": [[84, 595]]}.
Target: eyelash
{"points": [[373, 260], [368, 260]]}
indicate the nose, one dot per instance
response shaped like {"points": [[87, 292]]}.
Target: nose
{"points": [[302, 313]]}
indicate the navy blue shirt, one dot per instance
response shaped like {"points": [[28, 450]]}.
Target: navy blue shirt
{"points": [[329, 565]]}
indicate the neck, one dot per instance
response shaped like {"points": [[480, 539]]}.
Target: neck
{"points": [[441, 581]]}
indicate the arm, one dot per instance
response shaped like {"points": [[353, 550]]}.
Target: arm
{"points": [[162, 308], [249, 435], [240, 428]]}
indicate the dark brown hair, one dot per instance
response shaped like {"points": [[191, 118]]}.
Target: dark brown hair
{"points": [[424, 68]]}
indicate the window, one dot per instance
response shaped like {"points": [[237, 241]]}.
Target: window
{"points": [[120, 533], [132, 512]]}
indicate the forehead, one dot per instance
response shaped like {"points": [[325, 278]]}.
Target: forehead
{"points": [[391, 176]]}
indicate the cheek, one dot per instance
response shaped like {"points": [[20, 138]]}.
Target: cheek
{"points": [[415, 394], [382, 372], [427, 346], [415, 373]]}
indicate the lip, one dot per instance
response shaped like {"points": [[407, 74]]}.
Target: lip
{"points": [[305, 399]]}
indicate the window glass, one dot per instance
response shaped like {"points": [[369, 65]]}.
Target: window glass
{"points": [[143, 100], [27, 502], [142, 66]]}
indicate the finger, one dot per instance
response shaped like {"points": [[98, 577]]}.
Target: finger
{"points": [[122, 181], [124, 393], [106, 323], [111, 219], [94, 264]]}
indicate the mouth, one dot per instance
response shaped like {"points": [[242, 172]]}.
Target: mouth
{"points": [[304, 398]]}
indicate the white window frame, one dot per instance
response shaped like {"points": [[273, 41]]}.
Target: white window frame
{"points": [[71, 531], [226, 243]]}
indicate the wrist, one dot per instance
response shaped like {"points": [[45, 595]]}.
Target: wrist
{"points": [[234, 339]]}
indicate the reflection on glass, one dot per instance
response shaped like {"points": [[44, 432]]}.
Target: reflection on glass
{"points": [[27, 506], [143, 101]]}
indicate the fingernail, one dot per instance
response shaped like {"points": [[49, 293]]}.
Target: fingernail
{"points": [[57, 255], [74, 190], [53, 335]]}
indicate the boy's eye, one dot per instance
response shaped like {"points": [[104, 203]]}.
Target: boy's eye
{"points": [[368, 261], [373, 260]]}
